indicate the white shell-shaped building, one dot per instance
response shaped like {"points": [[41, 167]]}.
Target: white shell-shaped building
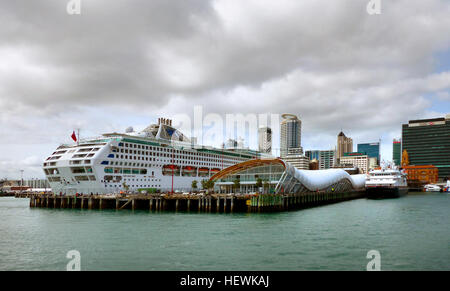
{"points": [[281, 177]]}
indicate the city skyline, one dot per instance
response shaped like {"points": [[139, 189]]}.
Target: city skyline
{"points": [[102, 71]]}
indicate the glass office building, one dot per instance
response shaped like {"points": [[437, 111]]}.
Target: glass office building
{"points": [[397, 152], [427, 142], [372, 150]]}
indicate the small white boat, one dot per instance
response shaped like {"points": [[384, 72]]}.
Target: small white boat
{"points": [[431, 188]]}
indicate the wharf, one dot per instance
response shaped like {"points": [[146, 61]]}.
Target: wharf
{"points": [[217, 203]]}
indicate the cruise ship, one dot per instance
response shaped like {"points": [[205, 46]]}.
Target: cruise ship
{"points": [[158, 159], [387, 182]]}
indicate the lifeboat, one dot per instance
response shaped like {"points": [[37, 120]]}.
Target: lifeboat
{"points": [[169, 169], [189, 171], [203, 172]]}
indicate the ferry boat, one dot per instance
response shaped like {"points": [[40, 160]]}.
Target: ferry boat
{"points": [[154, 159], [386, 183]]}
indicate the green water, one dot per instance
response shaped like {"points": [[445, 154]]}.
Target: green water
{"points": [[411, 233]]}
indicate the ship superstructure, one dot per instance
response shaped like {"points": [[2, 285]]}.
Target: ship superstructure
{"points": [[154, 159]]}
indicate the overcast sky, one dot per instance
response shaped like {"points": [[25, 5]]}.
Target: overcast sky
{"points": [[128, 62]]}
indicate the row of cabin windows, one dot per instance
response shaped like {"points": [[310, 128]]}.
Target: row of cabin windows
{"points": [[77, 178], [72, 151], [167, 150], [133, 186], [118, 179], [126, 171], [184, 155], [117, 163], [209, 163]]}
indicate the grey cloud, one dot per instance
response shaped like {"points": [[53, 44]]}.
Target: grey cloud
{"points": [[328, 61]]}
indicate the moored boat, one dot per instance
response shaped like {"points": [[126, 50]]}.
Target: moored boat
{"points": [[432, 188], [386, 183]]}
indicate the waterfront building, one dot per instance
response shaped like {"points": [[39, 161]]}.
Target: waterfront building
{"points": [[282, 177], [24, 185], [370, 149], [300, 162], [326, 159], [397, 151], [154, 159], [427, 142], [290, 135], [37, 183], [265, 140], [344, 145], [359, 160], [426, 174]]}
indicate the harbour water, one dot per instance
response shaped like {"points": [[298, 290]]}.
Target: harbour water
{"points": [[411, 233]]}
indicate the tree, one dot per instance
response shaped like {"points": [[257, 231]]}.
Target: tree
{"points": [[266, 185], [125, 186], [259, 183], [210, 184], [204, 184], [236, 184], [194, 185]]}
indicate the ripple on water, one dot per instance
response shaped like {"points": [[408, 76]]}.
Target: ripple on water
{"points": [[411, 233]]}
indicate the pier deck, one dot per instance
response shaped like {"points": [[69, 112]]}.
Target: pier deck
{"points": [[218, 203]]}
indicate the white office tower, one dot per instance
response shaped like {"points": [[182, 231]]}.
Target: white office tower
{"points": [[291, 132], [265, 140]]}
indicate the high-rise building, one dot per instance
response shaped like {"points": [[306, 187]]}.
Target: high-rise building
{"points": [[301, 162], [397, 151], [370, 149], [427, 142], [326, 159], [290, 135], [359, 160], [313, 154], [265, 140], [344, 145]]}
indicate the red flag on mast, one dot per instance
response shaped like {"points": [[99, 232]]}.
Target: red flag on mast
{"points": [[74, 136]]}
